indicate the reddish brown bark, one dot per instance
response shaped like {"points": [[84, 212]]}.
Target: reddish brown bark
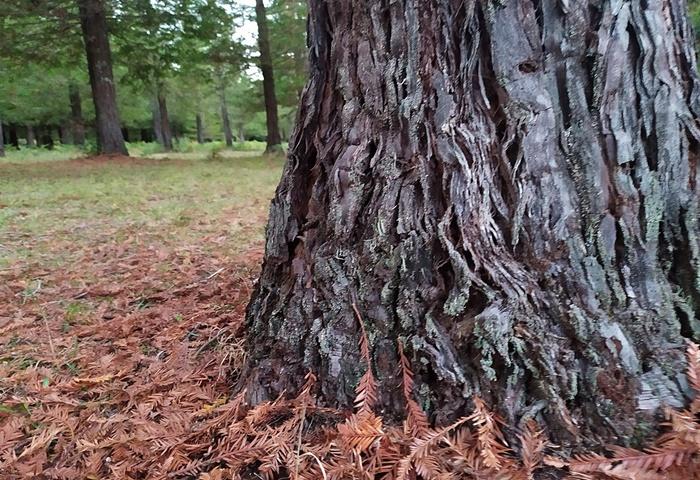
{"points": [[509, 188]]}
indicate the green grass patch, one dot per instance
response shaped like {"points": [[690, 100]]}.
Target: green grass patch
{"points": [[38, 155], [181, 198]]}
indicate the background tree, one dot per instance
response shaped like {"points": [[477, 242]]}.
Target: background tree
{"points": [[188, 50], [287, 26], [149, 42], [513, 200], [42, 47], [93, 22], [273, 133]]}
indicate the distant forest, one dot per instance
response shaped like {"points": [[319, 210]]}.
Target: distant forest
{"points": [[181, 68]]}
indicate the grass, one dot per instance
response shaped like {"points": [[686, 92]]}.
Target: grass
{"points": [[45, 202], [184, 149], [40, 155]]}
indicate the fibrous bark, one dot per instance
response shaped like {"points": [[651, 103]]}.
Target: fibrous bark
{"points": [[510, 189], [274, 140], [99, 60]]}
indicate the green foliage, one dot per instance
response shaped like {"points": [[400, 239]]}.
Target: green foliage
{"points": [[192, 51]]}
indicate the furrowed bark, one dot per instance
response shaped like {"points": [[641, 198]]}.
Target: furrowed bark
{"points": [[508, 188], [99, 59], [274, 140]]}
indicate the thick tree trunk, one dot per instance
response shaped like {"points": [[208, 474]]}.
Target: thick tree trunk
{"points": [[510, 189], [76, 108], [99, 60], [200, 128], [273, 132], [166, 134], [225, 120], [31, 138]]}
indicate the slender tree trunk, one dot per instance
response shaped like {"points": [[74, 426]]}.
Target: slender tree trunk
{"points": [[31, 138], [514, 200], [164, 124], [2, 140], [273, 132], [200, 128], [14, 138], [241, 133], [158, 133], [76, 108], [225, 120], [99, 60]]}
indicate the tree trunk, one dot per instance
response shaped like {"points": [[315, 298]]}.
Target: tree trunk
{"points": [[273, 132], [2, 140], [44, 137], [14, 138], [164, 122], [158, 133], [225, 120], [31, 138], [200, 128], [76, 108], [514, 200], [64, 134], [99, 60]]}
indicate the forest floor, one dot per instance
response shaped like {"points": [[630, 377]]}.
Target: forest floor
{"points": [[119, 280], [123, 285]]}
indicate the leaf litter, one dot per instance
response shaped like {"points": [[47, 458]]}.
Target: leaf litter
{"points": [[118, 360]]}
